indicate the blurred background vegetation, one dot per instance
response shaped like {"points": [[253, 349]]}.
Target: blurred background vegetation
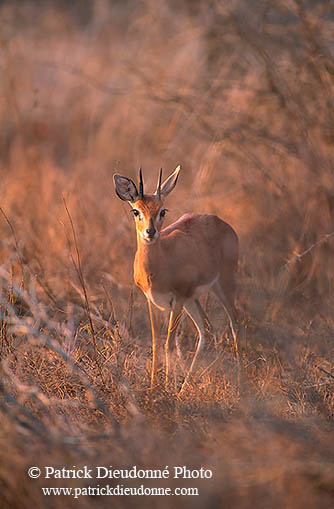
{"points": [[241, 95]]}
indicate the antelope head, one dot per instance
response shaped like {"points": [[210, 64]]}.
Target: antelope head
{"points": [[148, 209]]}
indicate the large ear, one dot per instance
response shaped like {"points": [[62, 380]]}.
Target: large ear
{"points": [[125, 188], [170, 182]]}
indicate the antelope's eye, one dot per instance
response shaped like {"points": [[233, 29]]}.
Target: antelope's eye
{"points": [[135, 212], [163, 213]]}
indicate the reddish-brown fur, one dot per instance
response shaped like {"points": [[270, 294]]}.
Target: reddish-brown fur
{"points": [[175, 265]]}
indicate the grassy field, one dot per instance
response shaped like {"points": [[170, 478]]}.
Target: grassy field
{"points": [[241, 95]]}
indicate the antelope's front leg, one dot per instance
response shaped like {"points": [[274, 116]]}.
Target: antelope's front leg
{"points": [[174, 320], [155, 328]]}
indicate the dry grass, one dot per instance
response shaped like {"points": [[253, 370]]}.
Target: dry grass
{"points": [[242, 98]]}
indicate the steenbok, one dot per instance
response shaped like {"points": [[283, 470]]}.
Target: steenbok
{"points": [[174, 266]]}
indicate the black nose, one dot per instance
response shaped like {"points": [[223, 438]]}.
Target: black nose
{"points": [[151, 230]]}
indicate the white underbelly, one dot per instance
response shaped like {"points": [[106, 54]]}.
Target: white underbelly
{"points": [[161, 300], [167, 300]]}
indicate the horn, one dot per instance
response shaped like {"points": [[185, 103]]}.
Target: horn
{"points": [[158, 192], [141, 185]]}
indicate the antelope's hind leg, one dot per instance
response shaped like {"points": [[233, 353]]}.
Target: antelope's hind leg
{"points": [[205, 318], [195, 313], [174, 319], [224, 289]]}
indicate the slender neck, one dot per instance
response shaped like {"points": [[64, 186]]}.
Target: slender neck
{"points": [[147, 263], [147, 247], [148, 252]]}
